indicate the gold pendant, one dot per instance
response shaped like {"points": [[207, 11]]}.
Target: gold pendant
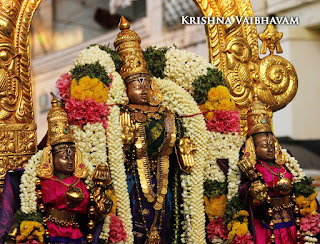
{"points": [[154, 237], [283, 185], [75, 194]]}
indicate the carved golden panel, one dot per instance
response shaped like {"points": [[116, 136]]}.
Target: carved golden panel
{"points": [[17, 127], [233, 49]]}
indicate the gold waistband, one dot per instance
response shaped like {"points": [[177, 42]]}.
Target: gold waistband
{"points": [[61, 217], [279, 203]]}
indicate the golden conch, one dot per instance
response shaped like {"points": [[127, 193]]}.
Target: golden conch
{"points": [[234, 50]]}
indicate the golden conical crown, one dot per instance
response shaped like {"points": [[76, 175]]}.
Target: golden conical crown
{"points": [[257, 118], [58, 126], [128, 47]]}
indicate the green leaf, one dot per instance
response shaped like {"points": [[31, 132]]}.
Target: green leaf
{"points": [[93, 71], [304, 187], [156, 60], [215, 188], [21, 216], [233, 206]]}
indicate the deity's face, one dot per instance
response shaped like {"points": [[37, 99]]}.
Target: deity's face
{"points": [[63, 159], [265, 146], [138, 89]]}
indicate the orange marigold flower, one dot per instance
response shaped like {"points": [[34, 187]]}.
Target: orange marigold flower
{"points": [[215, 207]]}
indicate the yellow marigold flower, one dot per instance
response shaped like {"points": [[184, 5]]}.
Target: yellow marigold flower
{"points": [[215, 207], [226, 104], [230, 224], [310, 210], [94, 82], [213, 94], [243, 213], [231, 235], [85, 81], [30, 229], [113, 197], [76, 92], [238, 229], [202, 108], [209, 106], [223, 92], [209, 115]]}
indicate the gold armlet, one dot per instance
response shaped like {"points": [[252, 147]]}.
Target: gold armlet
{"points": [[258, 192], [185, 153]]}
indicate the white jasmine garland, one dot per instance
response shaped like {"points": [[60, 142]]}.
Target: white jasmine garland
{"points": [[224, 146], [27, 186], [177, 100], [94, 54], [184, 67], [92, 142], [293, 166], [117, 169], [104, 235], [117, 93]]}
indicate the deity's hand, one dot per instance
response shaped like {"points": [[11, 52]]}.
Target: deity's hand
{"points": [[128, 130], [103, 202], [185, 154], [102, 180], [258, 192]]}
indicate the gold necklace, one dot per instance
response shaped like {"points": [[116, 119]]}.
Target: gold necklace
{"points": [[74, 194], [283, 185]]}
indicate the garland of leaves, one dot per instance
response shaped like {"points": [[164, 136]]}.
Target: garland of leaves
{"points": [[304, 187], [156, 60], [215, 188]]}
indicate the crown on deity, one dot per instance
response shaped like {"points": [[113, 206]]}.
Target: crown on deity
{"points": [[257, 118], [128, 47], [58, 126]]}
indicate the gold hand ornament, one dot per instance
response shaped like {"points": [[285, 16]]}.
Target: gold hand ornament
{"points": [[185, 154]]}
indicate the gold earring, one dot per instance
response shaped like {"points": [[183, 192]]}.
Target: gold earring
{"points": [[155, 94], [280, 159], [45, 170], [81, 170]]}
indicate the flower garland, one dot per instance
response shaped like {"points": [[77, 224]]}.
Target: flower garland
{"points": [[179, 64], [293, 166], [117, 95], [91, 140], [94, 54], [176, 99], [27, 186]]}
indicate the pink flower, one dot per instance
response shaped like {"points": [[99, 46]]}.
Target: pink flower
{"points": [[244, 239], [224, 121], [310, 223], [63, 85], [217, 228], [87, 111], [117, 232]]}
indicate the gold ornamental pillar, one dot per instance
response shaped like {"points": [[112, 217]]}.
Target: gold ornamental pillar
{"points": [[17, 126]]}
